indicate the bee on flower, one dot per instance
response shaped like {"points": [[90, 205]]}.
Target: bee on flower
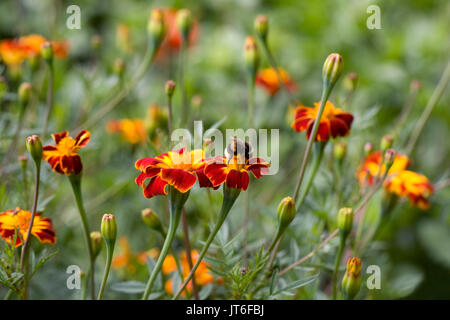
{"points": [[268, 80]]}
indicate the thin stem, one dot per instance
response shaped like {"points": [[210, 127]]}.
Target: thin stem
{"points": [[75, 181], [49, 99], [337, 263], [325, 94], [188, 251], [109, 255], [169, 119], [184, 105], [409, 103], [428, 109]]}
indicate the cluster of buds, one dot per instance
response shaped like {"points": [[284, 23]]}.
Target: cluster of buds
{"points": [[351, 282]]}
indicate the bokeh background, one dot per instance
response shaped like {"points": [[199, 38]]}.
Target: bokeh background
{"points": [[413, 44]]}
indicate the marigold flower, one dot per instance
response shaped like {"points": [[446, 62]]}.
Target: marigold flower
{"points": [[234, 171], [333, 122], [268, 80], [179, 169], [412, 185], [12, 53], [132, 130], [64, 156], [18, 219]]}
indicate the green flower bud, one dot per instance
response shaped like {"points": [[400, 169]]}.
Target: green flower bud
{"points": [[351, 282], [261, 26], [151, 219], [286, 211], [24, 93], [332, 68], [389, 157], [119, 66], [251, 55], [386, 142], [156, 27], [109, 227], [96, 42], [350, 81], [345, 221], [34, 147], [368, 148], [23, 160], [96, 242], [184, 22], [47, 51], [170, 88], [3, 87], [339, 150]]}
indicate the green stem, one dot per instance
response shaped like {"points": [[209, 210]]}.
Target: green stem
{"points": [[188, 251], [49, 99], [109, 255], [325, 94], [337, 263], [185, 110], [177, 201], [230, 196], [75, 181]]}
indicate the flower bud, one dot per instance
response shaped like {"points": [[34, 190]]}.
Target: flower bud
{"points": [[415, 85], [386, 142], [170, 88], [251, 55], [96, 242], [345, 221], [119, 66], [286, 211], [24, 93], [261, 26], [339, 150], [3, 87], [351, 282], [332, 68], [368, 148], [34, 147], [389, 157], [23, 160], [109, 227], [96, 42], [151, 219], [196, 101], [184, 22], [47, 51], [350, 81], [156, 27]]}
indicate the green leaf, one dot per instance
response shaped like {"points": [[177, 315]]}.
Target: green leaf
{"points": [[297, 284], [128, 287]]}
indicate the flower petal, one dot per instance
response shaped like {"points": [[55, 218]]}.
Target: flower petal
{"points": [[237, 179], [178, 178], [155, 187]]}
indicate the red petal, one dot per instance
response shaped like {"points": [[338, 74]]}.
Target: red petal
{"points": [[338, 127], [346, 117], [155, 187], [178, 178], [58, 136], [144, 163], [82, 138], [146, 175], [301, 124], [216, 173], [323, 133], [237, 179]]}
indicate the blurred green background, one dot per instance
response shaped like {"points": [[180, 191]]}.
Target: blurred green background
{"points": [[413, 43]]}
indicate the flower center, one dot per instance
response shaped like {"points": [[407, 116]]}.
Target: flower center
{"points": [[67, 146]]}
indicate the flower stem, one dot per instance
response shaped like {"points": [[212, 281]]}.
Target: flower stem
{"points": [[177, 201], [230, 196], [337, 263], [188, 251], [109, 255], [184, 104], [49, 99], [75, 181]]}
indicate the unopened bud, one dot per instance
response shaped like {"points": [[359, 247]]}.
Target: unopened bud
{"points": [[156, 27], [286, 211], [96, 42], [368, 148], [151, 219], [389, 157], [386, 142], [351, 282], [23, 160], [96, 242], [184, 22], [261, 26], [251, 55], [196, 101], [47, 51], [345, 221], [415, 85], [34, 147], [170, 88], [332, 69], [24, 93], [340, 150], [350, 81], [119, 67], [109, 227]]}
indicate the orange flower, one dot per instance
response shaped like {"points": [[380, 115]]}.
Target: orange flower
{"points": [[179, 169], [18, 219], [268, 80], [64, 156], [132, 130], [234, 171], [12, 53], [333, 122], [173, 38], [203, 275], [412, 185], [399, 181]]}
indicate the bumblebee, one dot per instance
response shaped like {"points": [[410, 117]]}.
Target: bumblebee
{"points": [[241, 151]]}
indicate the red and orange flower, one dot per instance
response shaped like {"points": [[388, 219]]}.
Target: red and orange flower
{"points": [[399, 181], [334, 122], [268, 80], [64, 156], [132, 130], [18, 219], [179, 169]]}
